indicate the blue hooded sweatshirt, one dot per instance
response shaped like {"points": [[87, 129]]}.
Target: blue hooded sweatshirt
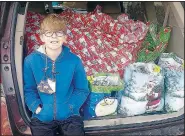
{"points": [[71, 89]]}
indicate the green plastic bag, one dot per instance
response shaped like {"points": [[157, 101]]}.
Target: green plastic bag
{"points": [[105, 82], [154, 44]]}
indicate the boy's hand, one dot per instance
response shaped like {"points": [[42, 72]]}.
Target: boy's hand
{"points": [[38, 110]]}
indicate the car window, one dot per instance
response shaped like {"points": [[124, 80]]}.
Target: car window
{"points": [[3, 14]]}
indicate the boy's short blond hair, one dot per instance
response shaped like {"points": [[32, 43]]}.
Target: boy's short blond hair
{"points": [[53, 23]]}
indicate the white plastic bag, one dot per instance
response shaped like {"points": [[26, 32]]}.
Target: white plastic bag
{"points": [[173, 104], [130, 107], [143, 90], [174, 81]]}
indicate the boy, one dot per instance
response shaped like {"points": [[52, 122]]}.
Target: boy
{"points": [[55, 83]]}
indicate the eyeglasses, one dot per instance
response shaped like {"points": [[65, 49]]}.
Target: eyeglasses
{"points": [[58, 34]]}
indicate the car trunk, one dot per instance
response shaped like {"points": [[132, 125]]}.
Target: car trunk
{"points": [[114, 122]]}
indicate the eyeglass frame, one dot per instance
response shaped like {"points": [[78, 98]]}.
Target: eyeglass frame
{"points": [[63, 34]]}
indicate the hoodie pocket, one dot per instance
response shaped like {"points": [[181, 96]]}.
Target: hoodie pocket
{"points": [[74, 109], [46, 109]]}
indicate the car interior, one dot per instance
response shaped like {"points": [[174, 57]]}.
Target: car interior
{"points": [[113, 9]]}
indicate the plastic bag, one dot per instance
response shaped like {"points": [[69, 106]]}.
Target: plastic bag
{"points": [[104, 97], [144, 86], [105, 82], [173, 104], [99, 104], [174, 81], [130, 107]]}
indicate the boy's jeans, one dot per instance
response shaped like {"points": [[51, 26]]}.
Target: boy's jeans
{"points": [[73, 126]]}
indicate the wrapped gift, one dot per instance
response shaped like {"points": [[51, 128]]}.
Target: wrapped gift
{"points": [[94, 36], [154, 44]]}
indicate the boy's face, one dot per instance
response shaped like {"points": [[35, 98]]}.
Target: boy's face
{"points": [[53, 40]]}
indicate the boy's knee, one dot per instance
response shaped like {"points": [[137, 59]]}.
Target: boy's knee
{"points": [[75, 127], [72, 130]]}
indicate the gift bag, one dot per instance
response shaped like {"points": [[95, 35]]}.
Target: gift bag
{"points": [[174, 81]]}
